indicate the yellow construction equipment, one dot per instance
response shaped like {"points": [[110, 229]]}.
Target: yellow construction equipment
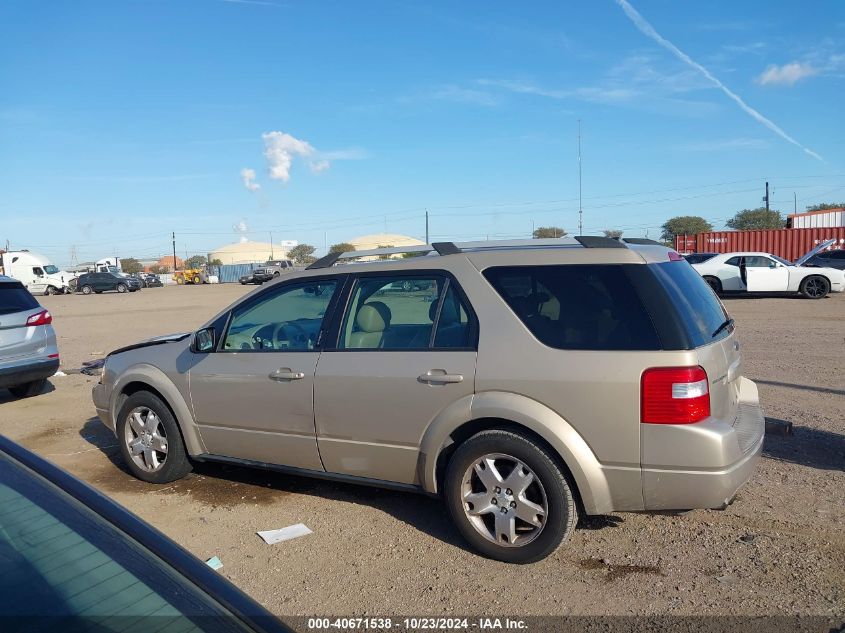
{"points": [[190, 276]]}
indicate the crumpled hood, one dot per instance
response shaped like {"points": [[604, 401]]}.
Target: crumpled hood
{"points": [[156, 340]]}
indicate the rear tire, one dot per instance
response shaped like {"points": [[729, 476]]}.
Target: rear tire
{"points": [[815, 287], [28, 389], [714, 283], [87, 290], [548, 490], [164, 466]]}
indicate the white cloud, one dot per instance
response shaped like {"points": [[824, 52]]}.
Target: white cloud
{"points": [[647, 29], [319, 165], [248, 177], [786, 75], [280, 149]]}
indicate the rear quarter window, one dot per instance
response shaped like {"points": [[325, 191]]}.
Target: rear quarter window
{"points": [[15, 298], [578, 306]]}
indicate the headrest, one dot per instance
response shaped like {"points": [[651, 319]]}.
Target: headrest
{"points": [[373, 317], [449, 314]]}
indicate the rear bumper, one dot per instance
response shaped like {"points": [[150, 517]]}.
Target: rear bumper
{"points": [[29, 372], [718, 458]]}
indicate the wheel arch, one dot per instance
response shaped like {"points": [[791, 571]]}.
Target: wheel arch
{"points": [[152, 379], [513, 412]]}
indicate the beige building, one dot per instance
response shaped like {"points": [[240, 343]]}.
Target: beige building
{"points": [[379, 240], [248, 252]]}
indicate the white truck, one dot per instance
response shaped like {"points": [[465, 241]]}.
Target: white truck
{"points": [[109, 265], [36, 272]]}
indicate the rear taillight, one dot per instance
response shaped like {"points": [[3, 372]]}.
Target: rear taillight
{"points": [[40, 318], [674, 395]]}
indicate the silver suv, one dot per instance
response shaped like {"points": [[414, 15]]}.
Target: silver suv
{"points": [[525, 382], [28, 352]]}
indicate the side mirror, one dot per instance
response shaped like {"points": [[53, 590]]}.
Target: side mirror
{"points": [[204, 340]]}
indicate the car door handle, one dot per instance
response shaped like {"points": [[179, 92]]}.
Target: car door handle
{"points": [[440, 376], [285, 373]]}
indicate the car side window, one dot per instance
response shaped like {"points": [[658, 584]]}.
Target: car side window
{"points": [[733, 261], [757, 261], [404, 312], [288, 319]]}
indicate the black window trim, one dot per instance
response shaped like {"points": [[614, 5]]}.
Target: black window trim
{"points": [[328, 317], [333, 338]]}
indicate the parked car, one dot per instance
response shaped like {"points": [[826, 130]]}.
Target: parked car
{"points": [[72, 555], [764, 272], [548, 379], [28, 351], [258, 276], [828, 259], [102, 282], [697, 258], [153, 281], [140, 277]]}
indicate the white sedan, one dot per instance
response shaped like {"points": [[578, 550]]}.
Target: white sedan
{"points": [[764, 272]]}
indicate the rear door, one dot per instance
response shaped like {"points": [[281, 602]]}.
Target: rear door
{"points": [[764, 274], [404, 351]]}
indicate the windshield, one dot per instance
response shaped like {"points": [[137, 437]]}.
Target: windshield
{"points": [[50, 269]]}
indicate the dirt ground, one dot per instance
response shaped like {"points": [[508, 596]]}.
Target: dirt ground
{"points": [[778, 550]]}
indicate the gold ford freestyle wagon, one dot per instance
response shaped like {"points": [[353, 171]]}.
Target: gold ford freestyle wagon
{"points": [[526, 382]]}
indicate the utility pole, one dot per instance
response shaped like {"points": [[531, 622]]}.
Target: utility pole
{"points": [[426, 226], [271, 245], [795, 202], [174, 251], [767, 196], [580, 208]]}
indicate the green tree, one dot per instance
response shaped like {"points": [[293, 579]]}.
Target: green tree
{"points": [[343, 247], [614, 233], [384, 246], [302, 254], [548, 231], [684, 225], [215, 262], [130, 265], [158, 269], [760, 218], [824, 206], [195, 261]]}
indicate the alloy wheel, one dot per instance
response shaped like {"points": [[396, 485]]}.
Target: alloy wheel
{"points": [[504, 500], [146, 439], [815, 287]]}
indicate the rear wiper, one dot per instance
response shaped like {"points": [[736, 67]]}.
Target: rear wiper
{"points": [[728, 323]]}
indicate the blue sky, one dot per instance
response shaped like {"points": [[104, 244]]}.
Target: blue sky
{"points": [[124, 120]]}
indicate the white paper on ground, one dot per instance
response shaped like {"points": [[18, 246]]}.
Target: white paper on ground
{"points": [[60, 374], [284, 534]]}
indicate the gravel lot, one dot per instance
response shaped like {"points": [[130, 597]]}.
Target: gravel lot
{"points": [[779, 550]]}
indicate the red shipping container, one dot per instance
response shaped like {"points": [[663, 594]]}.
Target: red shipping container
{"points": [[790, 244]]}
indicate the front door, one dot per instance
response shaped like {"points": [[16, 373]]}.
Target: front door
{"points": [[405, 352], [764, 274], [253, 396]]}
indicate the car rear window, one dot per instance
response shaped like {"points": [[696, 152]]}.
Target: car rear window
{"points": [[15, 298], [697, 306], [578, 306]]}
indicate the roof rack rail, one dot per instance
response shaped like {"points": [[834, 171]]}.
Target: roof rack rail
{"points": [[596, 241], [451, 248], [643, 241]]}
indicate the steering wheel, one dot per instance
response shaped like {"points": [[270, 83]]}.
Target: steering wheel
{"points": [[300, 336]]}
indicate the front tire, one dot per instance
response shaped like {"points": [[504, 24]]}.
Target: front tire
{"points": [[28, 389], [509, 498], [150, 440], [51, 290], [815, 287], [122, 288]]}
